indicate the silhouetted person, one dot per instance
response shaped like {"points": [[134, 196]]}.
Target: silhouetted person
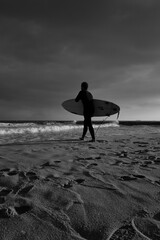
{"points": [[88, 109]]}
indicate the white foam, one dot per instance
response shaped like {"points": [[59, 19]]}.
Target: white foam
{"points": [[106, 125], [35, 130]]}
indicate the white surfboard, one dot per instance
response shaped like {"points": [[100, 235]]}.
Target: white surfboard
{"points": [[102, 108]]}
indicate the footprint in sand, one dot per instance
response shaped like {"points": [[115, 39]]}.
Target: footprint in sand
{"points": [[147, 228], [122, 154], [7, 212], [89, 158], [144, 151], [157, 182], [102, 154], [57, 161], [13, 172], [22, 175], [156, 148], [157, 216], [157, 161], [138, 176], [91, 147], [151, 157], [68, 184], [127, 178], [125, 232], [23, 209], [5, 170], [25, 190], [79, 180], [2, 200], [102, 141], [5, 191], [143, 165], [148, 162], [32, 176], [12, 211], [91, 165], [47, 164], [142, 213], [141, 145], [15, 184], [139, 142]]}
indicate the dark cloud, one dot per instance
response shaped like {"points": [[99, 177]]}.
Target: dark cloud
{"points": [[44, 27]]}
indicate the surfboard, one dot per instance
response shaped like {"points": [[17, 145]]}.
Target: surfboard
{"points": [[102, 108]]}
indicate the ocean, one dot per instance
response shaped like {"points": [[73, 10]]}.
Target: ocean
{"points": [[25, 132]]}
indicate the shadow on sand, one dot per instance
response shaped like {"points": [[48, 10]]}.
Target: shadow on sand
{"points": [[45, 142]]}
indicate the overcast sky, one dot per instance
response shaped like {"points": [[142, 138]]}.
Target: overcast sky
{"points": [[48, 47]]}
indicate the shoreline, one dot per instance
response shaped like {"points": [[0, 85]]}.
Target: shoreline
{"points": [[80, 122]]}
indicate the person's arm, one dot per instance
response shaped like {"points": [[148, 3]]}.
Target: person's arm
{"points": [[78, 97], [92, 107]]}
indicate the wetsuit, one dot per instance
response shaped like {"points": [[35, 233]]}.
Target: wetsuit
{"points": [[88, 111]]}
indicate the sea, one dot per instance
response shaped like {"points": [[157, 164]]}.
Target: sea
{"points": [[27, 132]]}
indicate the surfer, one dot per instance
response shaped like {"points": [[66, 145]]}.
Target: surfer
{"points": [[88, 110]]}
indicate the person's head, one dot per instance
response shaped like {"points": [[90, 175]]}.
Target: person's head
{"points": [[84, 86]]}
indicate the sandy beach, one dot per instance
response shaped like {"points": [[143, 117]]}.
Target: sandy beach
{"points": [[70, 189]]}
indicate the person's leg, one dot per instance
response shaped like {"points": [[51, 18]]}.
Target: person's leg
{"points": [[85, 128], [91, 129]]}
